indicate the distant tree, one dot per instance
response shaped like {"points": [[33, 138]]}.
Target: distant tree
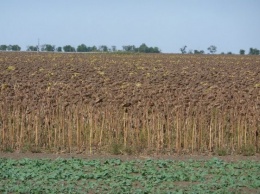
{"points": [[143, 48], [253, 51], [153, 50], [16, 48], [129, 48], [3, 47], [133, 48], [212, 49], [229, 53], [69, 48], [113, 48], [31, 48], [183, 50], [48, 47], [82, 48], [150, 50], [242, 52], [59, 49], [190, 51], [156, 50], [124, 48], [222, 53], [103, 48], [93, 49], [9, 47], [198, 52]]}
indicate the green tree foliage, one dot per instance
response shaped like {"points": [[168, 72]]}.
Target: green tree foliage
{"points": [[93, 49], [242, 52], [3, 47], [103, 48], [10, 47], [82, 48], [156, 50], [253, 51], [129, 48], [59, 49], [145, 49], [48, 47], [69, 48], [212, 49], [31, 48], [198, 52], [16, 48], [113, 48]]}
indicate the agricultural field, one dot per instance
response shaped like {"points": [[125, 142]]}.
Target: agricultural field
{"points": [[129, 103], [129, 176]]}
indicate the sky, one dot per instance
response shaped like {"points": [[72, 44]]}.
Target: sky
{"points": [[230, 25]]}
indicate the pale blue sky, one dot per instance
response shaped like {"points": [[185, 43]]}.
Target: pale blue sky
{"points": [[231, 25]]}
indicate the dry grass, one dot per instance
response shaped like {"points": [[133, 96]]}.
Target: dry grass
{"points": [[84, 129]]}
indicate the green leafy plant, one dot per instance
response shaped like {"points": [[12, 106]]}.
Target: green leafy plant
{"points": [[131, 176]]}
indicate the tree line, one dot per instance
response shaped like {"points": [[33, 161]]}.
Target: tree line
{"points": [[213, 49], [10, 48], [143, 48]]}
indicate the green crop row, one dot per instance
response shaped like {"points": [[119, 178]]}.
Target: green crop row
{"points": [[133, 176]]}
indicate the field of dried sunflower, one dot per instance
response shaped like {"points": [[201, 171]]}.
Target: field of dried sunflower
{"points": [[129, 103]]}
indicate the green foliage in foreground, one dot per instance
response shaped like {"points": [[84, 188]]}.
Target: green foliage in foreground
{"points": [[136, 176]]}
